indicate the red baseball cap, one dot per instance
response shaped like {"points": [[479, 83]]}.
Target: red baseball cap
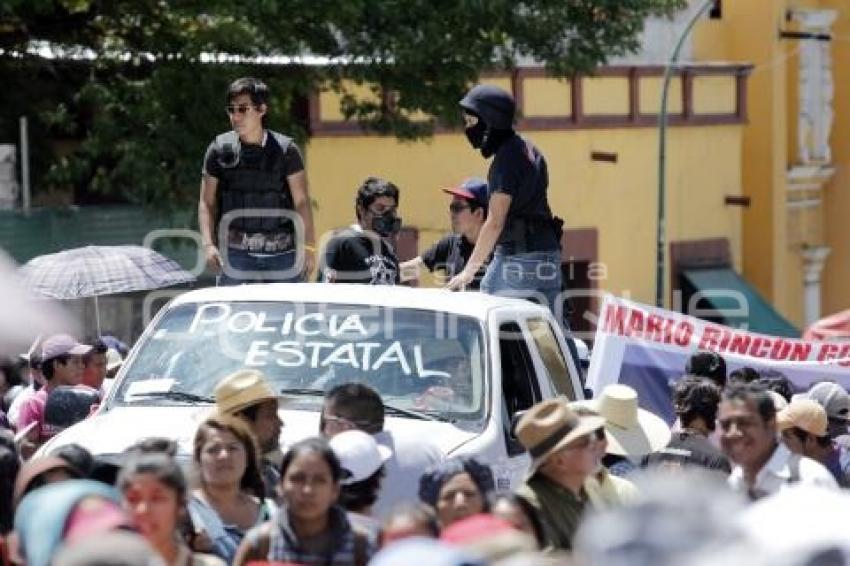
{"points": [[473, 189]]}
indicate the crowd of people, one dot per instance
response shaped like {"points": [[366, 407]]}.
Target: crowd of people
{"points": [[357, 493], [607, 481]]}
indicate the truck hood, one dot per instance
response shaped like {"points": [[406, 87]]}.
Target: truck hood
{"points": [[114, 431]]}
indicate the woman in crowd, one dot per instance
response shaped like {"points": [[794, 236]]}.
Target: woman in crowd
{"points": [[309, 528], [154, 492], [456, 488], [229, 501], [64, 512], [519, 513]]}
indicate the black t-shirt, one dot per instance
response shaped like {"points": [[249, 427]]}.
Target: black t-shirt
{"points": [[293, 162], [689, 449], [519, 170], [450, 254], [353, 256]]}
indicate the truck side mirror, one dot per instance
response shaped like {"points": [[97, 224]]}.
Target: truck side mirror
{"points": [[588, 393]]}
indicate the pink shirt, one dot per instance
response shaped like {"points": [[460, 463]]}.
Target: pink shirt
{"points": [[33, 411]]}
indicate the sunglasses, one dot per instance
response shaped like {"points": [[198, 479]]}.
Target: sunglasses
{"points": [[241, 109], [457, 207]]}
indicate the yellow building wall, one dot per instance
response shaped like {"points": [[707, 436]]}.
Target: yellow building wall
{"points": [[605, 95], [546, 97], [649, 89], [619, 199], [747, 33], [836, 276], [714, 95]]}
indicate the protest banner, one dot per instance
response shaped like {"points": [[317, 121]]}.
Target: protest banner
{"points": [[647, 348]]}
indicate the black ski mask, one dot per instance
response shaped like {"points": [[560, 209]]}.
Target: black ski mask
{"points": [[488, 140], [476, 134], [386, 225]]}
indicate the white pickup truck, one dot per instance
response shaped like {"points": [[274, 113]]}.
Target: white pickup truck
{"points": [[454, 368]]}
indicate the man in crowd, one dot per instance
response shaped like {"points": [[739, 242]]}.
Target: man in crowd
{"points": [[695, 402], [761, 464], [468, 211], [803, 425], [705, 363], [61, 364], [363, 252], [246, 170], [246, 394], [356, 406], [95, 366], [562, 446], [604, 489], [836, 402]]}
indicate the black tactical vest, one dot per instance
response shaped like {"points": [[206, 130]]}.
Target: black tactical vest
{"points": [[254, 177]]}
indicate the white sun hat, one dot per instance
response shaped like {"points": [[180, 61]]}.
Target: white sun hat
{"points": [[630, 430]]}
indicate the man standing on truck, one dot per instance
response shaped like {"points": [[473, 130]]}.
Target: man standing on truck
{"points": [[251, 176], [363, 252], [520, 226], [450, 254]]}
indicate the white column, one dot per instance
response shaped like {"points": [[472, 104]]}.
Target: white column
{"points": [[814, 259], [814, 121]]}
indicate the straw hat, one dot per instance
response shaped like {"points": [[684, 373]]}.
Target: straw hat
{"points": [[242, 389], [549, 426], [804, 414], [630, 430]]}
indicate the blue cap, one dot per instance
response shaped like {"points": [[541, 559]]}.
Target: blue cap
{"points": [[473, 189]]}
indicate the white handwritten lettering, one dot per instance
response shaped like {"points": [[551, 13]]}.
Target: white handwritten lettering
{"points": [[256, 353], [393, 354], [200, 318], [292, 356], [345, 354]]}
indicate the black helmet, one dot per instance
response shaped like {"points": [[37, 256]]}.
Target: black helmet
{"points": [[492, 104]]}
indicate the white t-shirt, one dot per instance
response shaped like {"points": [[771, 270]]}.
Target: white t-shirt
{"points": [[411, 457], [783, 470]]}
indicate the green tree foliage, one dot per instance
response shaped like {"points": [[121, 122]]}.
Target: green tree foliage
{"points": [[134, 92]]}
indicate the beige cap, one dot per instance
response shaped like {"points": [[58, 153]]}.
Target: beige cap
{"points": [[804, 414], [242, 389]]}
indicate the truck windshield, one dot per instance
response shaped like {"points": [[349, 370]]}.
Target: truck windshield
{"points": [[421, 362]]}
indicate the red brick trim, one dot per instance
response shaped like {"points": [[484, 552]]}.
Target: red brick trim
{"points": [[578, 119]]}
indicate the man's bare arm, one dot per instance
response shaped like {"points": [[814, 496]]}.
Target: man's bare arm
{"points": [[301, 202], [207, 209]]}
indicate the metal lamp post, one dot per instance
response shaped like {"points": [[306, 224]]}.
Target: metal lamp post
{"points": [[661, 240]]}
